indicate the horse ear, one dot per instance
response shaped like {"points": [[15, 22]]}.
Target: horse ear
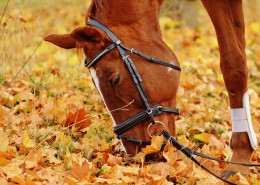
{"points": [[79, 37], [90, 35], [65, 41]]}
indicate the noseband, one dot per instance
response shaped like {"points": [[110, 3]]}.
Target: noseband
{"points": [[151, 110]]}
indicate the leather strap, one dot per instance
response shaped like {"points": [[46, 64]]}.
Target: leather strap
{"points": [[133, 140], [101, 54], [189, 154], [141, 116], [151, 59]]}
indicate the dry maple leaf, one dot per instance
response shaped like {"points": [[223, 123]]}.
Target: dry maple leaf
{"points": [[78, 116], [112, 160], [204, 137], [169, 153], [80, 171], [27, 142], [4, 140], [238, 179], [155, 146], [13, 169]]}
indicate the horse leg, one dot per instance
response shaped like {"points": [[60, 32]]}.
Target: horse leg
{"points": [[228, 20]]}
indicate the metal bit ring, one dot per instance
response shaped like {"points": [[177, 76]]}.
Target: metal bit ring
{"points": [[148, 128]]}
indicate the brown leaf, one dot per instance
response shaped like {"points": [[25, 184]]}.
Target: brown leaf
{"points": [[78, 116], [111, 160], [22, 19]]}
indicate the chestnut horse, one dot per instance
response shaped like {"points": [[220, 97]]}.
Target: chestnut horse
{"points": [[136, 23]]}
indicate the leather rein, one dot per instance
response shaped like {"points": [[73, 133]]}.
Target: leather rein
{"points": [[151, 110]]}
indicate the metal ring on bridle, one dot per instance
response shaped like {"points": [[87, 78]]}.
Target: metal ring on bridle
{"points": [[148, 128]]}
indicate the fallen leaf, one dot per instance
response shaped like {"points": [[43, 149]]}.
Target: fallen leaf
{"points": [[22, 19], [112, 160], [78, 116], [80, 171], [155, 146], [12, 170], [162, 169], [27, 142], [169, 153], [204, 137], [4, 140]]}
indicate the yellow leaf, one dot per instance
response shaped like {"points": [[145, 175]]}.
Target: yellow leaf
{"points": [[27, 142], [12, 170], [4, 140], [183, 140], [3, 181], [169, 154], [202, 137], [155, 146], [62, 139]]}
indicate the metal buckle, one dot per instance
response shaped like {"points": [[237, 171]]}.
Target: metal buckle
{"points": [[125, 57], [159, 109], [149, 111], [118, 42]]}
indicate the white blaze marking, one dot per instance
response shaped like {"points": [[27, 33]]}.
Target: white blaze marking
{"points": [[169, 69], [95, 79]]}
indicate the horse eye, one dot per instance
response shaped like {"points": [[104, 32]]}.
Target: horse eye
{"points": [[115, 80]]}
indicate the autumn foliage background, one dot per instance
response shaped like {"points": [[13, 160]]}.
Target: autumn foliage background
{"points": [[54, 128]]}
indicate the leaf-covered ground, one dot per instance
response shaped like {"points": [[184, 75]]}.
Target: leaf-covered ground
{"points": [[54, 128]]}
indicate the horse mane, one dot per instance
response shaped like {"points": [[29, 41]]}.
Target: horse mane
{"points": [[96, 5]]}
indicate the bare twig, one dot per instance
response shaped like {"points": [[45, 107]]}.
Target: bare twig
{"points": [[124, 107], [4, 11], [24, 64]]}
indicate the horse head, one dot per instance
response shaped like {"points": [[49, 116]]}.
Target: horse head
{"points": [[113, 76]]}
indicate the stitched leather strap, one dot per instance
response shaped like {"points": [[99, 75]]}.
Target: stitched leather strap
{"points": [[141, 116], [101, 54], [151, 59]]}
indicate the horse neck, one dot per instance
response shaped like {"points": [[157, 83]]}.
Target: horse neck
{"points": [[139, 17]]}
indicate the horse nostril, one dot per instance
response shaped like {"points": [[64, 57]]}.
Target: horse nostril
{"points": [[115, 79]]}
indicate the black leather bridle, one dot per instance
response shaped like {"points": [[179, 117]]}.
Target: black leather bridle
{"points": [[151, 110]]}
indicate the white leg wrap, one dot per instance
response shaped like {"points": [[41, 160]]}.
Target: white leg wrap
{"points": [[242, 122]]}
